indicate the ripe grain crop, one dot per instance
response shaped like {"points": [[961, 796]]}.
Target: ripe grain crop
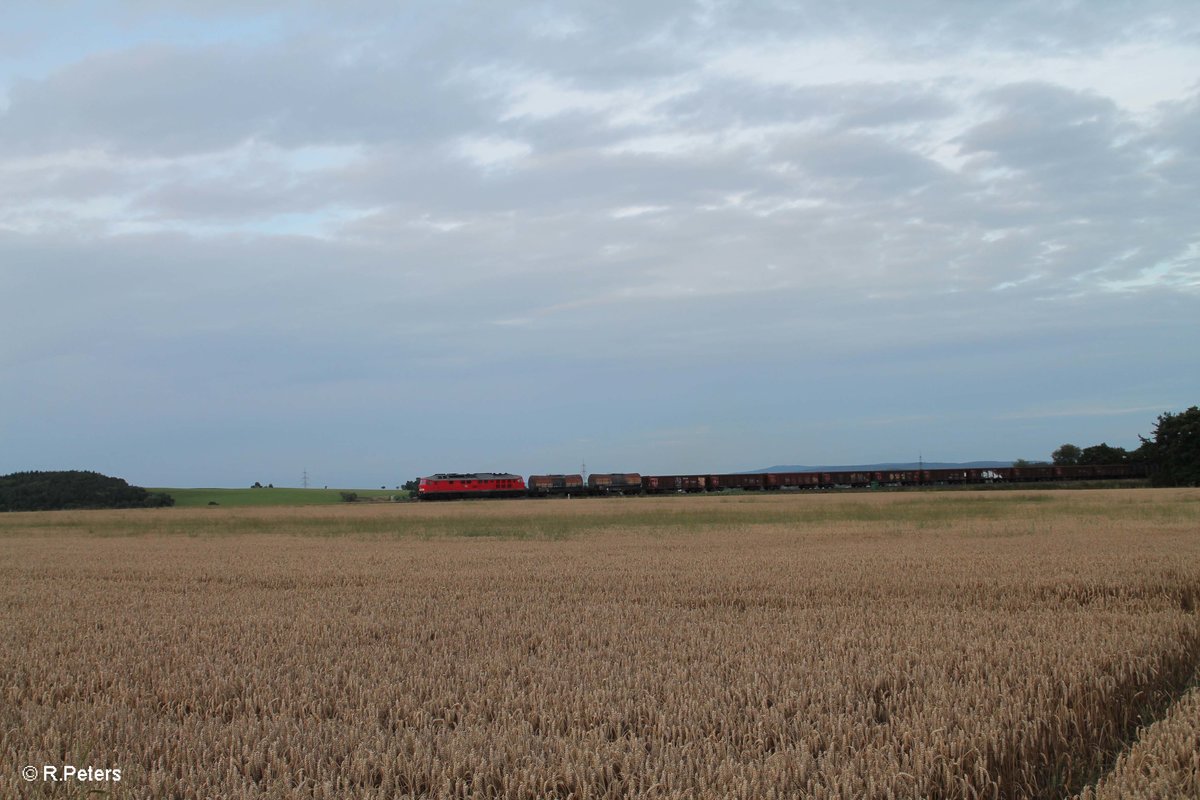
{"points": [[1165, 761], [829, 646]]}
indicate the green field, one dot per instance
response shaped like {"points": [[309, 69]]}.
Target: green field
{"points": [[192, 498]]}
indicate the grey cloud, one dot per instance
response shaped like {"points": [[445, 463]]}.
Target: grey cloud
{"points": [[578, 180], [243, 197], [172, 101], [1176, 142], [930, 28], [1042, 126], [726, 102], [1085, 178], [62, 182], [895, 104], [863, 161]]}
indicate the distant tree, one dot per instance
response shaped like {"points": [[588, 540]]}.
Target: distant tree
{"points": [[410, 485], [1066, 456], [157, 499], [1174, 452], [1144, 454], [1103, 454], [257, 485]]}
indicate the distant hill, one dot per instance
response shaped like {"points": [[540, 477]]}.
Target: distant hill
{"points": [[878, 467]]}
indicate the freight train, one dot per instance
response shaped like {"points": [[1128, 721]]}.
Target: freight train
{"points": [[458, 486]]}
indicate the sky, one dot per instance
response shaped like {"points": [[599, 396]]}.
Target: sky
{"points": [[366, 241]]}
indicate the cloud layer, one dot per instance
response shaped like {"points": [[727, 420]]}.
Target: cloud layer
{"points": [[242, 240]]}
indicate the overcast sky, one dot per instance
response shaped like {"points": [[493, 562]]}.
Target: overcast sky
{"points": [[375, 240]]}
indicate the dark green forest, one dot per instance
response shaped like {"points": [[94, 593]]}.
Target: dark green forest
{"points": [[1172, 451], [45, 491]]}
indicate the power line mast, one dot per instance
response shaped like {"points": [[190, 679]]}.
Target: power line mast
{"points": [[306, 477], [583, 470]]}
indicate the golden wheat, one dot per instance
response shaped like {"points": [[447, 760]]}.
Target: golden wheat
{"points": [[1165, 761], [964, 645]]}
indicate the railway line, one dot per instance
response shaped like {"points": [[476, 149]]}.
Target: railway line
{"points": [[459, 486]]}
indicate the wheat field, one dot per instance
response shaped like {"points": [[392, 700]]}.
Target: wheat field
{"points": [[903, 645]]}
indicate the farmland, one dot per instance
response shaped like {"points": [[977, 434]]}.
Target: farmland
{"points": [[965, 644], [192, 498]]}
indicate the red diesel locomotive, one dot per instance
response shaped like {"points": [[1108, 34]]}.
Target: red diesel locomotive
{"points": [[458, 485]]}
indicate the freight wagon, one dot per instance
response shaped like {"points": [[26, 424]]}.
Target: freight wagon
{"points": [[546, 485], [749, 482], [658, 484], [615, 483], [852, 479], [792, 480]]}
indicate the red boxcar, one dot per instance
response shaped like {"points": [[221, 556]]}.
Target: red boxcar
{"points": [[459, 485]]}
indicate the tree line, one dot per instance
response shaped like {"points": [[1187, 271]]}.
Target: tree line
{"points": [[1172, 451], [68, 489]]}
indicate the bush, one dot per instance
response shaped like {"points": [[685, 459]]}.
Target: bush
{"points": [[349, 497]]}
